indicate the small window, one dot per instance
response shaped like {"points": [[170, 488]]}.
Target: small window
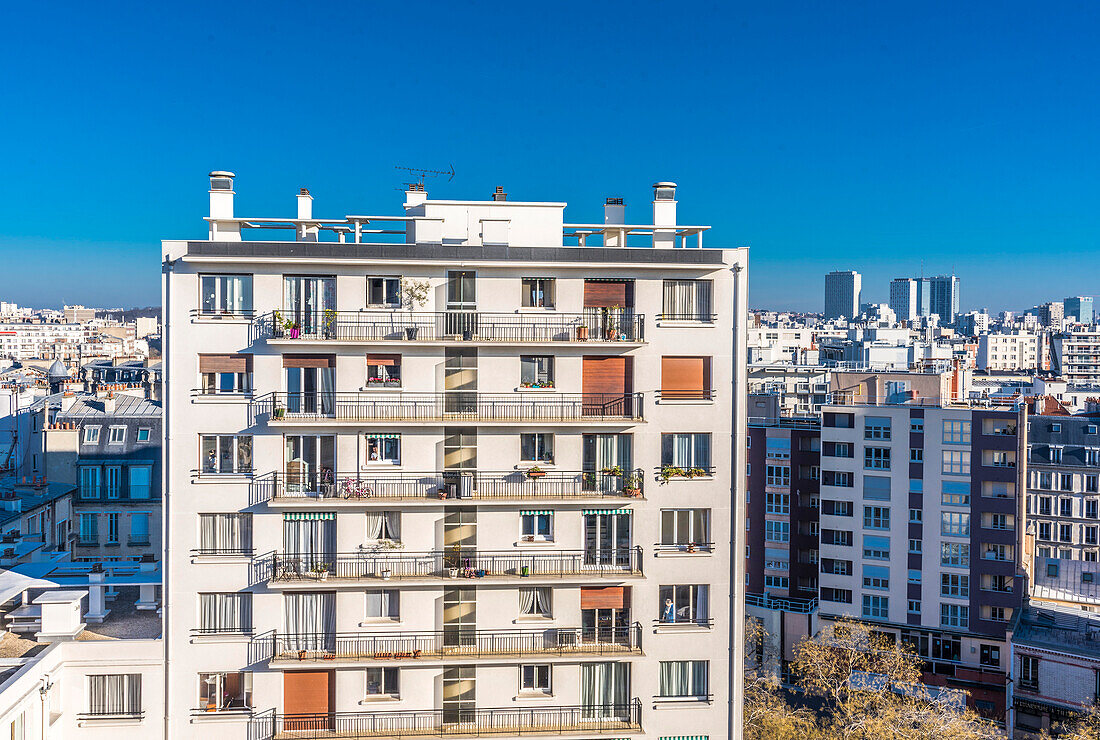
{"points": [[537, 371], [383, 291], [538, 292], [537, 526], [535, 678], [91, 435], [383, 371], [535, 602], [143, 434], [537, 447], [384, 604], [219, 692], [1056, 428], [1086, 577], [1052, 570], [117, 436], [383, 682], [384, 448]]}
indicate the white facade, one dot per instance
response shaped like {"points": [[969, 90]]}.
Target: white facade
{"points": [[525, 354], [1000, 352]]}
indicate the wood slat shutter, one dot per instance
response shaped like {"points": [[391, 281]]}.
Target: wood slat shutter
{"points": [[390, 360], [225, 363], [603, 597], [685, 377], [309, 360], [605, 294], [607, 374], [309, 693]]}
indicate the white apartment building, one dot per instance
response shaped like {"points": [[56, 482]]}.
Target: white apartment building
{"points": [[1077, 356], [1001, 352], [842, 293], [465, 470]]}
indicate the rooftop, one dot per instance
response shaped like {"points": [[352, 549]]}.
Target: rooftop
{"points": [[91, 406], [1060, 629], [1075, 581], [32, 497]]}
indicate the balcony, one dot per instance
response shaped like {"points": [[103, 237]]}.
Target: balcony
{"points": [[458, 722], [370, 565], [450, 407], [479, 485], [450, 644], [536, 327]]}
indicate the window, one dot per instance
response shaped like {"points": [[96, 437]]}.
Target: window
{"points": [[225, 373], [89, 529], [684, 604], [837, 478], [383, 448], [690, 450], [1001, 521], [687, 300], [836, 449], [89, 482], [143, 434], [916, 455], [1046, 505], [537, 525], [225, 613], [954, 615], [876, 487], [876, 427], [956, 462], [535, 678], [836, 595], [913, 607], [226, 294], [777, 531], [876, 576], [990, 655], [685, 378], [915, 547], [91, 435], [225, 534], [956, 432], [116, 435], [955, 524], [836, 567], [914, 576], [1067, 482], [955, 493], [876, 607], [992, 551], [535, 602], [684, 678], [225, 691], [536, 447], [536, 371], [1089, 535], [876, 517], [1029, 672], [383, 682], [876, 458], [682, 527], [383, 371], [383, 604], [1056, 455], [1044, 531], [1001, 584], [955, 554], [538, 293], [777, 503], [19, 727], [227, 454], [141, 481], [778, 475], [837, 508], [1065, 507], [1065, 533], [1092, 484], [114, 695], [384, 291], [876, 548], [112, 528], [778, 448], [839, 537], [777, 582], [916, 426], [139, 529], [915, 516], [955, 585]]}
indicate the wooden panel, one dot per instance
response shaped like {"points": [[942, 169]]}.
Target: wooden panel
{"points": [[390, 360], [607, 374], [603, 597], [225, 363], [309, 360], [685, 377], [309, 692], [599, 294]]}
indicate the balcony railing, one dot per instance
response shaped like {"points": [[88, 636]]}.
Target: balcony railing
{"points": [[549, 720], [450, 406], [474, 485], [595, 325], [453, 563], [455, 643]]}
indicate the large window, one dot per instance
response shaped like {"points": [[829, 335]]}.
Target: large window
{"points": [[687, 300], [683, 527], [777, 503], [955, 554], [538, 293], [225, 613], [875, 547], [684, 678], [778, 475], [227, 454], [876, 427], [141, 481], [955, 585], [535, 678], [876, 607], [114, 695], [684, 603], [876, 517], [89, 482], [686, 450], [384, 682], [955, 524], [956, 432], [536, 447], [876, 458], [777, 531], [954, 615], [956, 462], [226, 294], [219, 692], [536, 371], [225, 373], [225, 534]]}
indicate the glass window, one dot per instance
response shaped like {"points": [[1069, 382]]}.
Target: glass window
{"points": [[956, 462], [956, 554], [384, 448], [535, 678], [685, 527], [688, 450], [876, 607], [227, 454], [225, 533], [225, 612], [537, 525], [117, 436], [139, 529], [955, 524], [226, 294], [383, 682], [536, 447], [955, 585], [535, 602], [537, 371], [112, 528], [383, 371], [954, 615], [876, 427], [91, 435], [89, 482], [384, 291], [687, 300], [383, 604], [684, 604], [225, 691], [143, 434], [876, 458], [538, 292], [956, 432], [684, 678], [141, 481], [114, 694], [876, 517]]}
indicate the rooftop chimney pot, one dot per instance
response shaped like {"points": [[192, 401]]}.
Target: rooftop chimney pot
{"points": [[614, 214], [664, 214], [221, 206], [499, 193]]}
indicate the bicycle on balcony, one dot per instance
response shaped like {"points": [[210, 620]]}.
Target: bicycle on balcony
{"points": [[356, 489]]}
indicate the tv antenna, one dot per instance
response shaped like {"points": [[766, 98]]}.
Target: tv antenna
{"points": [[420, 173]]}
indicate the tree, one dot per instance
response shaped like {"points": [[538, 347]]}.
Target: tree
{"points": [[767, 715], [1086, 727]]}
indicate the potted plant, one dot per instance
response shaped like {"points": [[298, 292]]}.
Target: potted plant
{"points": [[525, 571], [528, 538], [278, 412], [616, 470], [582, 333], [321, 571], [386, 574], [632, 486], [414, 294], [671, 471], [535, 472], [695, 472], [452, 572], [329, 321]]}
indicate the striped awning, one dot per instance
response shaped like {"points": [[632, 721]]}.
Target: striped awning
{"points": [[301, 516], [375, 435], [607, 511], [684, 737], [535, 512]]}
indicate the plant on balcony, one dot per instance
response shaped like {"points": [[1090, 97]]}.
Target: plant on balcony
{"points": [[329, 320], [695, 472], [535, 472], [386, 544], [537, 384], [414, 293], [278, 412], [616, 470], [632, 486], [669, 472], [321, 571]]}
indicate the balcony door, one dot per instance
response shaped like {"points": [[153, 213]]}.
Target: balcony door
{"points": [[459, 617], [605, 614], [305, 301], [603, 453], [460, 537], [607, 537], [460, 381], [605, 690], [461, 317], [606, 382], [309, 700], [309, 541], [459, 694], [309, 464], [310, 384]]}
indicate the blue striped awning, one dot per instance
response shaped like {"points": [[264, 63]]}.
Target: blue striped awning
{"points": [[301, 516]]}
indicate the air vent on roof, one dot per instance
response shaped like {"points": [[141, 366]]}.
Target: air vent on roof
{"points": [[499, 193]]}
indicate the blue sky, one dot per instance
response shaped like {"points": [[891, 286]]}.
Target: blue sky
{"points": [[853, 135]]}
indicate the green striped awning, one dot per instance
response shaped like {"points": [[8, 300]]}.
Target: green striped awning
{"points": [[301, 516], [606, 511], [535, 512], [684, 737], [373, 435]]}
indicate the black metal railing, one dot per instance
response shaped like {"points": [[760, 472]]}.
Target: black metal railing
{"points": [[296, 487], [594, 325], [459, 642], [453, 563], [690, 394], [214, 551], [684, 547], [449, 406], [479, 722], [701, 317]]}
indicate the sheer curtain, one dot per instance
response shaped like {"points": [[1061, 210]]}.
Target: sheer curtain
{"points": [[225, 532], [118, 693], [384, 525], [311, 538], [683, 678], [310, 620], [604, 689], [225, 612], [702, 604], [534, 601]]}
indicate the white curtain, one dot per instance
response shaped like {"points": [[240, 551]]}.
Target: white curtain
{"points": [[225, 532], [687, 299], [605, 688], [225, 612], [374, 525], [702, 604], [683, 678], [384, 525], [534, 601], [118, 693], [311, 541], [310, 620], [384, 603], [327, 385]]}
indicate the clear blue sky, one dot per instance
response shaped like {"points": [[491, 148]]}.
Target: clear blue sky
{"points": [[825, 135]]}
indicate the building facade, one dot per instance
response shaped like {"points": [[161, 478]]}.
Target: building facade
{"points": [[842, 292], [1076, 356], [944, 297], [910, 298], [467, 481], [1008, 352], [1079, 308]]}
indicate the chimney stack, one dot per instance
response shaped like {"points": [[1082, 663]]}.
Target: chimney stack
{"points": [[306, 232], [614, 214], [221, 207], [415, 195], [664, 214], [499, 193]]}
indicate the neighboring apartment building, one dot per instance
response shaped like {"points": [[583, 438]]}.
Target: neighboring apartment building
{"points": [[36, 520], [799, 390], [454, 485], [1076, 356], [842, 293], [1008, 352], [919, 523]]}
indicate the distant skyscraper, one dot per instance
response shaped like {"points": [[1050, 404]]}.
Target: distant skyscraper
{"points": [[1081, 307], [909, 297], [842, 291], [944, 297]]}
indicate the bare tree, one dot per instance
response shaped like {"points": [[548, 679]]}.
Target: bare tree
{"points": [[1086, 727]]}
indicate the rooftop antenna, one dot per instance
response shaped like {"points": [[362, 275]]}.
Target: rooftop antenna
{"points": [[420, 173]]}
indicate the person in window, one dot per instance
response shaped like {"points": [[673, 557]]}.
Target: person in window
{"points": [[669, 613], [211, 462]]}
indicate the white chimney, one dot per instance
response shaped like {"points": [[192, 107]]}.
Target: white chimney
{"points": [[664, 214], [306, 232], [415, 195], [614, 214], [221, 207], [60, 612]]}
